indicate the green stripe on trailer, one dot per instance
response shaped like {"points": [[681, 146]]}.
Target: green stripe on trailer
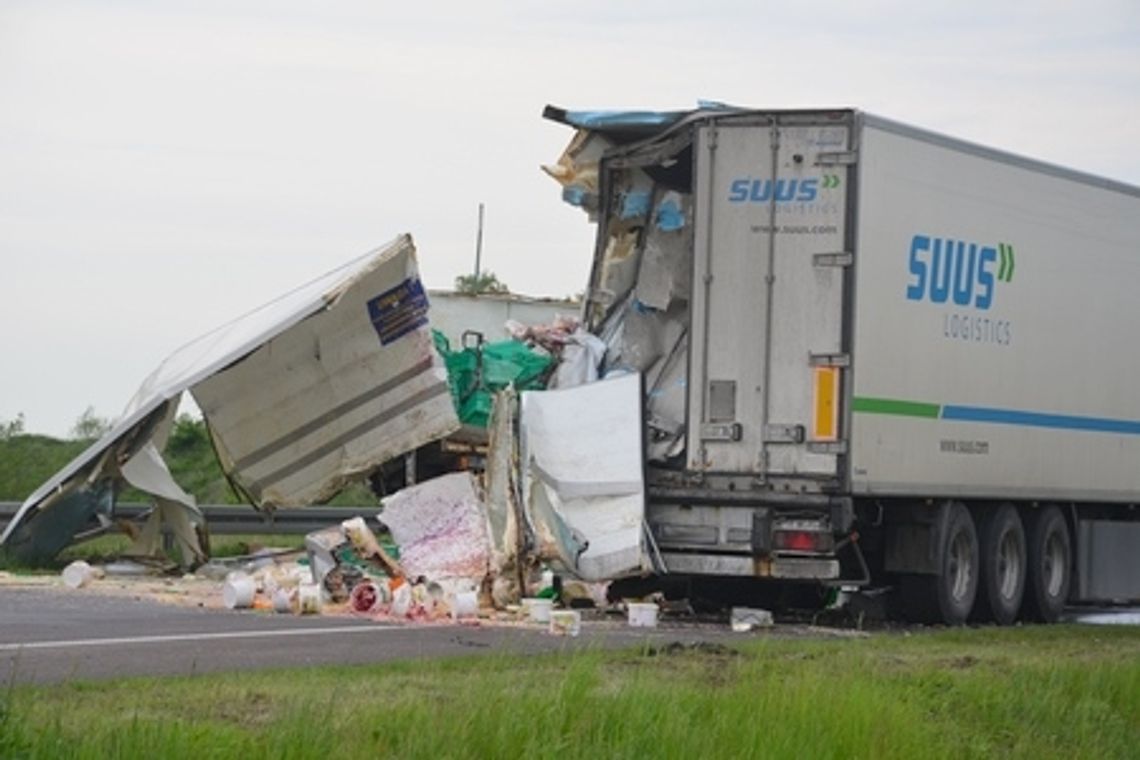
{"points": [[867, 405]]}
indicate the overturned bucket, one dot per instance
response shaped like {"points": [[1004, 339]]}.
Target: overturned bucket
{"points": [[78, 574], [565, 622], [367, 597], [238, 591], [309, 599], [642, 615], [465, 605], [538, 610]]}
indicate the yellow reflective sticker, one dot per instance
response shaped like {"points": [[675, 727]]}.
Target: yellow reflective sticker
{"points": [[825, 415]]}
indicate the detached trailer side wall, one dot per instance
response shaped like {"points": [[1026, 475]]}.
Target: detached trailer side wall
{"points": [[1014, 372]]}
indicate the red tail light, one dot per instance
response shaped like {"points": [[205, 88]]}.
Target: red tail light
{"points": [[802, 541]]}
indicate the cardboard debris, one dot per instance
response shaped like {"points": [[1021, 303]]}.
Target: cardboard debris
{"points": [[441, 528]]}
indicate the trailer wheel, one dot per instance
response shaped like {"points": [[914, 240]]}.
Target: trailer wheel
{"points": [[1002, 580], [1050, 562], [957, 583], [947, 596]]}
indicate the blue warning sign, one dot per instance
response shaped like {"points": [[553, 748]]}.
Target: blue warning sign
{"points": [[397, 312]]}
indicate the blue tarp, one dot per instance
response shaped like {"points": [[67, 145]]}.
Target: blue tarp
{"points": [[642, 122]]}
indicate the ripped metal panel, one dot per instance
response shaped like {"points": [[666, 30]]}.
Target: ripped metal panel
{"points": [[583, 478], [174, 508], [335, 396], [500, 479], [83, 490], [638, 302], [58, 509]]}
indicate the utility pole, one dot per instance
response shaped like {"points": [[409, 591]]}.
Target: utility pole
{"points": [[479, 243]]}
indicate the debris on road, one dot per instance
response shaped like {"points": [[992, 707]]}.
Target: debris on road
{"points": [[339, 379], [301, 396], [642, 614], [745, 619], [441, 528], [78, 574], [565, 622]]}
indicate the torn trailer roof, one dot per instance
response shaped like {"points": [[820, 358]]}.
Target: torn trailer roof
{"points": [[302, 395]]}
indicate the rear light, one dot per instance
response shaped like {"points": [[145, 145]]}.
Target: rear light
{"points": [[807, 541]]}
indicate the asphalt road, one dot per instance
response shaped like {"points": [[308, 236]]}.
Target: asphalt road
{"points": [[50, 635]]}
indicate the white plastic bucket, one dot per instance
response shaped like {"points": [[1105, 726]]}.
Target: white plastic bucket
{"points": [[465, 605], [565, 622], [538, 609], [238, 591], [309, 599], [642, 615], [283, 600], [401, 600], [78, 574]]}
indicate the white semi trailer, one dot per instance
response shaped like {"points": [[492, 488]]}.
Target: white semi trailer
{"points": [[872, 354]]}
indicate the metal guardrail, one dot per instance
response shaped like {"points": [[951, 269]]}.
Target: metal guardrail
{"points": [[237, 519]]}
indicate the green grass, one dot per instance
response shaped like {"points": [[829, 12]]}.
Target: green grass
{"points": [[1025, 692], [26, 461], [111, 547]]}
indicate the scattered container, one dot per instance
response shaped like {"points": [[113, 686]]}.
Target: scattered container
{"points": [[283, 600], [565, 622], [538, 610], [744, 619], [365, 597], [238, 591], [126, 567], [401, 600], [78, 574], [309, 599], [465, 605], [642, 614]]}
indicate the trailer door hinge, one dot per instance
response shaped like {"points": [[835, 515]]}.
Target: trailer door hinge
{"points": [[830, 360], [837, 158], [838, 259], [784, 434], [827, 447], [728, 432]]}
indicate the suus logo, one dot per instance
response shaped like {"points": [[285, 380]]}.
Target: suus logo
{"points": [[800, 190], [964, 273]]}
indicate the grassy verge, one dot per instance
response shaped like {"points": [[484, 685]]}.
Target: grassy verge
{"points": [[111, 547], [106, 548], [1024, 692]]}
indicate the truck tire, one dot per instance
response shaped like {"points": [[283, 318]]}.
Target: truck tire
{"points": [[948, 596], [1001, 584], [1050, 554]]}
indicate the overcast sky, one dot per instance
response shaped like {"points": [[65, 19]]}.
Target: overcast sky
{"points": [[168, 165]]}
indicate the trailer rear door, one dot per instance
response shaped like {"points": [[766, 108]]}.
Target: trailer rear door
{"points": [[768, 363]]}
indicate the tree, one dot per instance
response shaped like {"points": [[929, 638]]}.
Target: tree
{"points": [[189, 437], [12, 428], [478, 284], [90, 426]]}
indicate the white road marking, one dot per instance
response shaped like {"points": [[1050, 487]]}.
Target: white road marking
{"points": [[221, 635]]}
